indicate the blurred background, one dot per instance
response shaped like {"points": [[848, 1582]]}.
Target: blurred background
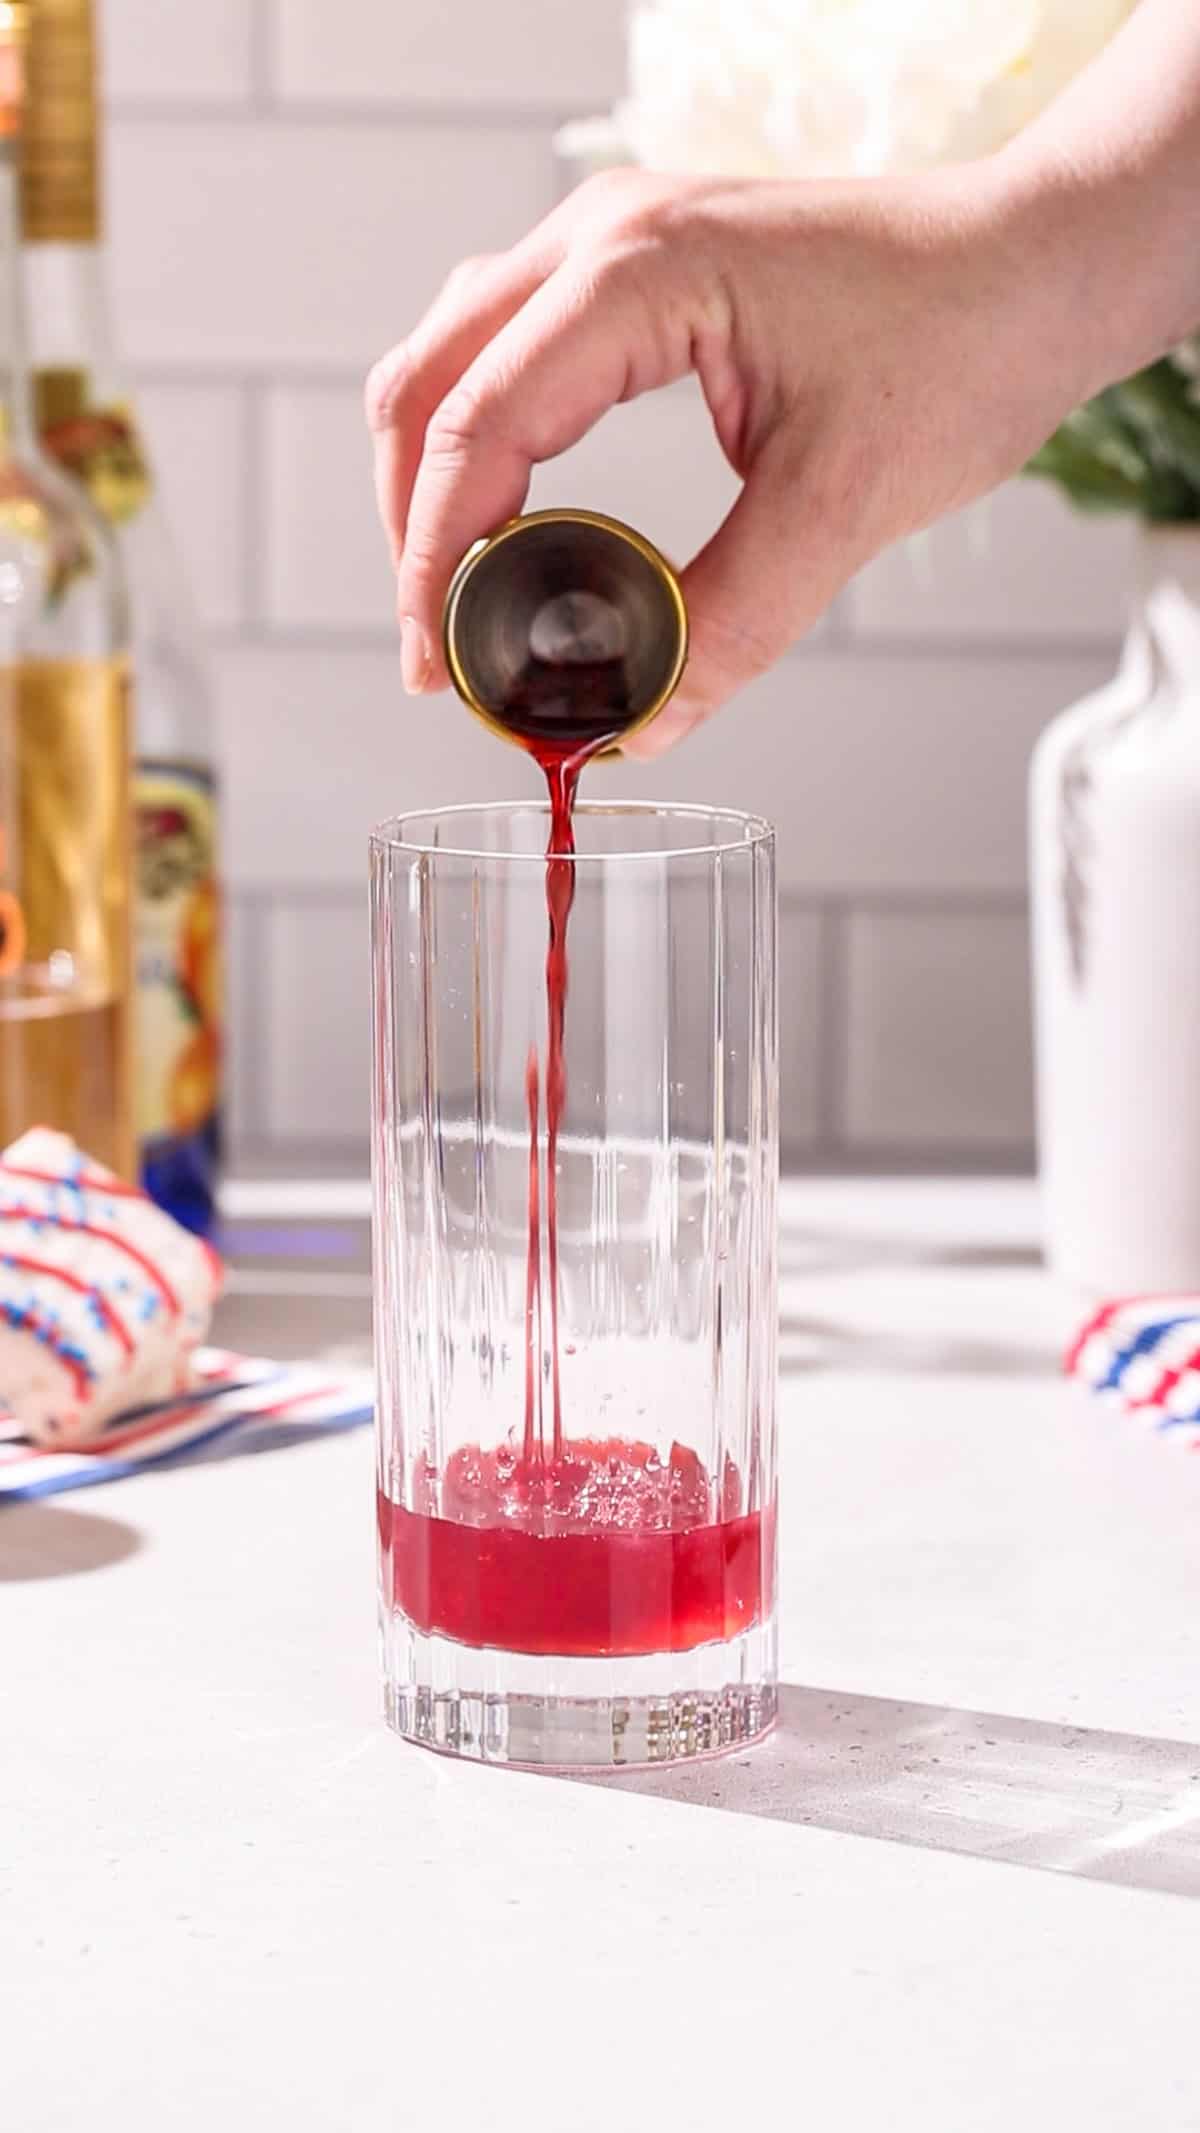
{"points": [[288, 183]]}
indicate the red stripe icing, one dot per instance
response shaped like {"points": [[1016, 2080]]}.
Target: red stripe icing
{"points": [[74, 1369], [107, 1236], [87, 1181], [81, 1288]]}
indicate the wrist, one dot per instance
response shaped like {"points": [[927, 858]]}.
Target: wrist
{"points": [[1103, 234]]}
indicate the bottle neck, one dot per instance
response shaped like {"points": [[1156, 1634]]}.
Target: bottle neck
{"points": [[15, 391], [60, 194], [1169, 606], [67, 307]]}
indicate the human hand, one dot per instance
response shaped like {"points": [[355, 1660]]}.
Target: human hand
{"points": [[872, 355]]}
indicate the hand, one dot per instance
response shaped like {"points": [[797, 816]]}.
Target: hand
{"points": [[872, 355]]}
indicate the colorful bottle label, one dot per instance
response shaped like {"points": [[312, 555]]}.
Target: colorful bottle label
{"points": [[99, 446], [180, 988]]}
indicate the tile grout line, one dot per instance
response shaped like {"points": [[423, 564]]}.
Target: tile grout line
{"points": [[344, 893], [903, 902], [335, 896]]}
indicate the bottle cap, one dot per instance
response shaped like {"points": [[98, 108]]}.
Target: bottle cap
{"points": [[565, 627]]}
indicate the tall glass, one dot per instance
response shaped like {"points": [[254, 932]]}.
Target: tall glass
{"points": [[576, 1327]]}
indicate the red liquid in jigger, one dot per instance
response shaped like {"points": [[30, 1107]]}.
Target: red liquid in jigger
{"points": [[578, 1548]]}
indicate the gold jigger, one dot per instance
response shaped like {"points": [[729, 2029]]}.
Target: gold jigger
{"points": [[564, 631]]}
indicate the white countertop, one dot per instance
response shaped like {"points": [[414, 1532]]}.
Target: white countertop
{"points": [[229, 1897]]}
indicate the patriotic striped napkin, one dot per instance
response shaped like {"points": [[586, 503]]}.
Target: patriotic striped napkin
{"points": [[236, 1403], [1142, 1353]]}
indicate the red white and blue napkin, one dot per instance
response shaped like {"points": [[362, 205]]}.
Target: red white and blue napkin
{"points": [[105, 1302], [1142, 1354], [235, 1403]]}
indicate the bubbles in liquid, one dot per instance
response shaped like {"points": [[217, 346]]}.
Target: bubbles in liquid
{"points": [[610, 1485]]}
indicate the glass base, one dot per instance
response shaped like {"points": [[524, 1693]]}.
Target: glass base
{"points": [[579, 1714]]}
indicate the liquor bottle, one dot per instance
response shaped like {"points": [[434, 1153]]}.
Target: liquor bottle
{"points": [[65, 843], [87, 422]]}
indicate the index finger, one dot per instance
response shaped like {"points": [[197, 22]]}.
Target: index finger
{"points": [[579, 346]]}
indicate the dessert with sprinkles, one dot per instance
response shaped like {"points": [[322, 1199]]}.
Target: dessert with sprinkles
{"points": [[103, 1297]]}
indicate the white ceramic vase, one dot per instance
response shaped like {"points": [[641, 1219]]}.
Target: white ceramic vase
{"points": [[1115, 833]]}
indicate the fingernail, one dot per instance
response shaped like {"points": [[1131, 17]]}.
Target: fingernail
{"points": [[414, 655]]}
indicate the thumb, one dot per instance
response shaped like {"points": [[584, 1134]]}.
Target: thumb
{"points": [[768, 572]]}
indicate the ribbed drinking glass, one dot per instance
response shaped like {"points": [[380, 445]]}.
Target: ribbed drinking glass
{"points": [[576, 1299]]}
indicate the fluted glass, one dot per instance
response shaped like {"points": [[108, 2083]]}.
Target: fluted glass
{"points": [[577, 1535]]}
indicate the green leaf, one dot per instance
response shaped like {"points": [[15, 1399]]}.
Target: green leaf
{"points": [[1135, 447], [1089, 477], [1165, 421]]}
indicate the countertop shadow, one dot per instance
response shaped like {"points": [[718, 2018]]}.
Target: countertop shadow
{"points": [[1105, 1806], [44, 1540]]}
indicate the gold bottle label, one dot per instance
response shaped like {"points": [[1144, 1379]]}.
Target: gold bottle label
{"points": [[60, 193], [180, 994], [66, 869]]}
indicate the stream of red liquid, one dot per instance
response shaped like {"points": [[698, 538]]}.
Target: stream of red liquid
{"points": [[562, 780]]}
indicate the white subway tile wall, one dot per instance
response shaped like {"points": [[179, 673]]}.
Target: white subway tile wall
{"points": [[526, 55], [284, 244], [289, 184], [179, 55], [937, 1030], [1020, 565], [326, 566], [312, 1039], [199, 436]]}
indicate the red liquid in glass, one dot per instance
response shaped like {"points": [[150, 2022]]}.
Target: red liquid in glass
{"points": [[573, 1548], [606, 1552]]}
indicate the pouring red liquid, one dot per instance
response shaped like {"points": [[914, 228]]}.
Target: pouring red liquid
{"points": [[576, 1546]]}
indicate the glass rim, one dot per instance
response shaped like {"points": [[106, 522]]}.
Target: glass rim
{"points": [[756, 833]]}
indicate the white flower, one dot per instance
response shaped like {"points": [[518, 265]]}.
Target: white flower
{"points": [[819, 88]]}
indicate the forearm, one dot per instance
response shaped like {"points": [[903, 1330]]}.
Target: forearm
{"points": [[1109, 181]]}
